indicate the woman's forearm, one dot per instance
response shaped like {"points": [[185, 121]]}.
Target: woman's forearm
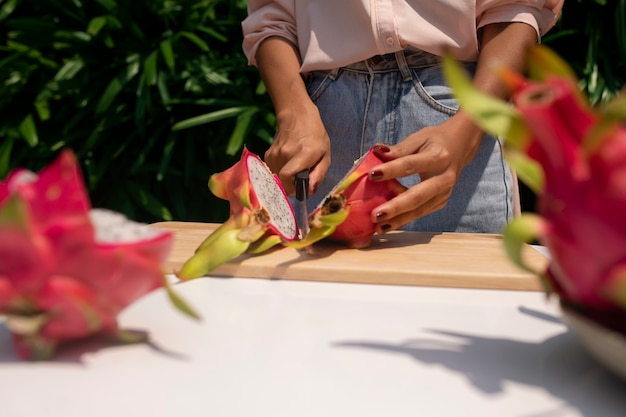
{"points": [[502, 44], [278, 63]]}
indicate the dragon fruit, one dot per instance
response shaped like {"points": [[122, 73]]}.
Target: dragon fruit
{"points": [[67, 270], [574, 157], [262, 217]]}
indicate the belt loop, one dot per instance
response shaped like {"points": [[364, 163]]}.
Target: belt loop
{"points": [[403, 66], [332, 74]]}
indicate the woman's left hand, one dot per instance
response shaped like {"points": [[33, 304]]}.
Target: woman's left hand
{"points": [[437, 154]]}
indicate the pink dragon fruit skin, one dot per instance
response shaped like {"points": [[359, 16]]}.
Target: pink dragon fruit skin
{"points": [[361, 196], [584, 198], [57, 272]]}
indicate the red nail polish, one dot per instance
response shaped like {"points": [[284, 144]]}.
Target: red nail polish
{"points": [[382, 148], [380, 215], [376, 175], [385, 228]]}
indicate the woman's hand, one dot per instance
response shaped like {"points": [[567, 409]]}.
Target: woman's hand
{"points": [[437, 154], [301, 142]]}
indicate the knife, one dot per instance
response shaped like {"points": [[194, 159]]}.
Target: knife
{"points": [[302, 190]]}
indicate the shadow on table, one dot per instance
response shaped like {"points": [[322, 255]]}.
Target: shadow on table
{"points": [[74, 352], [558, 364]]}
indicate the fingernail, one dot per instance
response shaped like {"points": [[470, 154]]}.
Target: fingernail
{"points": [[382, 148], [376, 175], [385, 228], [380, 216]]}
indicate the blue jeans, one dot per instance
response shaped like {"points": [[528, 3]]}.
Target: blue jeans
{"points": [[386, 98]]}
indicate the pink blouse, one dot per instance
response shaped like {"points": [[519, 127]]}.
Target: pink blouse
{"points": [[334, 33]]}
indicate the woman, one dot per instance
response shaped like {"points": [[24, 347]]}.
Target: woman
{"points": [[346, 75]]}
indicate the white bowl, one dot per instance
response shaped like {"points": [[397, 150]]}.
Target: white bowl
{"points": [[607, 346]]}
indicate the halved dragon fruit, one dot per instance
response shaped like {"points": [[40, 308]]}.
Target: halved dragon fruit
{"points": [[262, 216], [66, 271]]}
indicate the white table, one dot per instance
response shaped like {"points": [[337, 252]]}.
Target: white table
{"points": [[292, 348]]}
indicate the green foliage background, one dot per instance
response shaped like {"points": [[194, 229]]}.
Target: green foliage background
{"points": [[156, 95]]}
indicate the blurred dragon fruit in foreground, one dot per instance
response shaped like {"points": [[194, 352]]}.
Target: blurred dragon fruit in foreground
{"points": [[574, 157], [66, 271]]}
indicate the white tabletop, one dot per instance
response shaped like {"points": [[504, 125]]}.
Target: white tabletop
{"points": [[290, 348]]}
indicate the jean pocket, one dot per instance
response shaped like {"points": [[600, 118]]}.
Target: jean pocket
{"points": [[317, 82], [429, 83]]}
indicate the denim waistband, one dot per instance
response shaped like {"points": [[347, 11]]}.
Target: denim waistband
{"points": [[397, 61]]}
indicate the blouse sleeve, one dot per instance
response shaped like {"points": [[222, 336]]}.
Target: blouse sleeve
{"points": [[267, 18], [540, 14]]}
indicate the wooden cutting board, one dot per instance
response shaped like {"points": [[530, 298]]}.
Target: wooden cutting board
{"points": [[400, 258]]}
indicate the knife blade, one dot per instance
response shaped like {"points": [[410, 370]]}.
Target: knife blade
{"points": [[302, 190]]}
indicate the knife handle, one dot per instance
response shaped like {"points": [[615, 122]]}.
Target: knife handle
{"points": [[302, 184]]}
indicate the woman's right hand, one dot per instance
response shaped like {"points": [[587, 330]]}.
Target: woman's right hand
{"points": [[301, 142]]}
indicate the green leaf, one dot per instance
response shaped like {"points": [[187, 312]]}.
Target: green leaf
{"points": [[543, 62], [236, 140], [178, 302], [96, 24], [148, 201], [6, 146], [150, 69], [129, 337], [616, 108], [213, 33], [69, 70], [13, 212], [168, 54], [494, 116], [72, 35], [196, 40], [164, 91], [43, 109], [31, 53], [168, 151], [529, 171], [28, 130], [7, 8], [209, 117], [109, 5], [116, 85]]}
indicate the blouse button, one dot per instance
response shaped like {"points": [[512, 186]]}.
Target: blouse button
{"points": [[390, 41]]}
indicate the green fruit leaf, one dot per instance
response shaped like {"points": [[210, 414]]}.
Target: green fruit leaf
{"points": [[493, 115], [616, 108], [528, 170], [543, 62], [520, 231], [13, 213], [178, 302]]}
